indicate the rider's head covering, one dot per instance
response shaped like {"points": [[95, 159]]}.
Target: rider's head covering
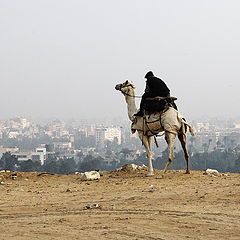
{"points": [[149, 74]]}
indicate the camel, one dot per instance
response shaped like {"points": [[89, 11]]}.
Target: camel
{"points": [[168, 121]]}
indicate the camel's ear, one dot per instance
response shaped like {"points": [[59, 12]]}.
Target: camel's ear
{"points": [[126, 82]]}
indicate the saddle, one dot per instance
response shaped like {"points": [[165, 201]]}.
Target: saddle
{"points": [[158, 104]]}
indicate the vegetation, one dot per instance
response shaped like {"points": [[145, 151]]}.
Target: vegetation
{"points": [[223, 160]]}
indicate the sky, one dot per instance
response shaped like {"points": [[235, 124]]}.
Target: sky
{"points": [[63, 58]]}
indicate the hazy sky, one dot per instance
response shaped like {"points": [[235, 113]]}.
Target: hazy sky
{"points": [[62, 58]]}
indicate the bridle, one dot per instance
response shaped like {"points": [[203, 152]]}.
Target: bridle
{"points": [[129, 94]]}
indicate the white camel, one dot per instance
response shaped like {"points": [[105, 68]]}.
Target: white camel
{"points": [[169, 121]]}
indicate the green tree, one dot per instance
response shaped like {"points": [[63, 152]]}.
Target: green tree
{"points": [[51, 167], [30, 166], [66, 166], [90, 164], [8, 162], [237, 165]]}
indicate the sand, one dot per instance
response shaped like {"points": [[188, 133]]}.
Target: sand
{"points": [[121, 205]]}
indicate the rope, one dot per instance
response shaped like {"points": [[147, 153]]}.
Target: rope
{"points": [[153, 98], [131, 95], [155, 140]]}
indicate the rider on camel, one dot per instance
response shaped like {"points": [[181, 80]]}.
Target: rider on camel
{"points": [[155, 87]]}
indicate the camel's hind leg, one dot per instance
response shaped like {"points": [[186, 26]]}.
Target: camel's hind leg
{"points": [[170, 139], [147, 144], [183, 139]]}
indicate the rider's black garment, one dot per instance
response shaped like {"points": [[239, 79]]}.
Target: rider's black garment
{"points": [[154, 87]]}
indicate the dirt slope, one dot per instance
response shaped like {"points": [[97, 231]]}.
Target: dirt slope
{"points": [[121, 205]]}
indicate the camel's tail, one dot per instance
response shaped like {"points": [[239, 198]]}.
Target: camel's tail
{"points": [[189, 127], [185, 125]]}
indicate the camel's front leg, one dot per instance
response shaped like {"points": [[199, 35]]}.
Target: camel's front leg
{"points": [[147, 144], [170, 138]]}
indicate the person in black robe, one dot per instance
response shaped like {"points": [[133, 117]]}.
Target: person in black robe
{"points": [[154, 87]]}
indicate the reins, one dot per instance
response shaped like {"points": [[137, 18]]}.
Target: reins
{"points": [[153, 98], [130, 95]]}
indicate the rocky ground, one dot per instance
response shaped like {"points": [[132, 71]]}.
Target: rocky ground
{"points": [[121, 205]]}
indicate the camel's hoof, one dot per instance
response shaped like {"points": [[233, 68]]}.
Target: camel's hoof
{"points": [[187, 172], [150, 175]]}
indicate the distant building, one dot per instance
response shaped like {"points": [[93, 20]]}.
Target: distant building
{"points": [[113, 134], [110, 134], [90, 130], [23, 156], [63, 146], [13, 134], [11, 150], [202, 127], [39, 155], [237, 125], [130, 155], [86, 151], [100, 137]]}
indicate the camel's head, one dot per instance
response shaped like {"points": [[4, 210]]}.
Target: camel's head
{"points": [[125, 87]]}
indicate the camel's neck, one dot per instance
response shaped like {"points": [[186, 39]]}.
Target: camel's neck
{"points": [[131, 105]]}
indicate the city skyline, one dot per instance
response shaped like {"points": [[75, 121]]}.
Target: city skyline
{"points": [[116, 121], [62, 59]]}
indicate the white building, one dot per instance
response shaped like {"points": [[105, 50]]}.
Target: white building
{"points": [[23, 156], [104, 134], [113, 134], [25, 122], [38, 156], [63, 146], [13, 134]]}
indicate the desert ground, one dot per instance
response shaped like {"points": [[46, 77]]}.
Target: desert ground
{"points": [[120, 205]]}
